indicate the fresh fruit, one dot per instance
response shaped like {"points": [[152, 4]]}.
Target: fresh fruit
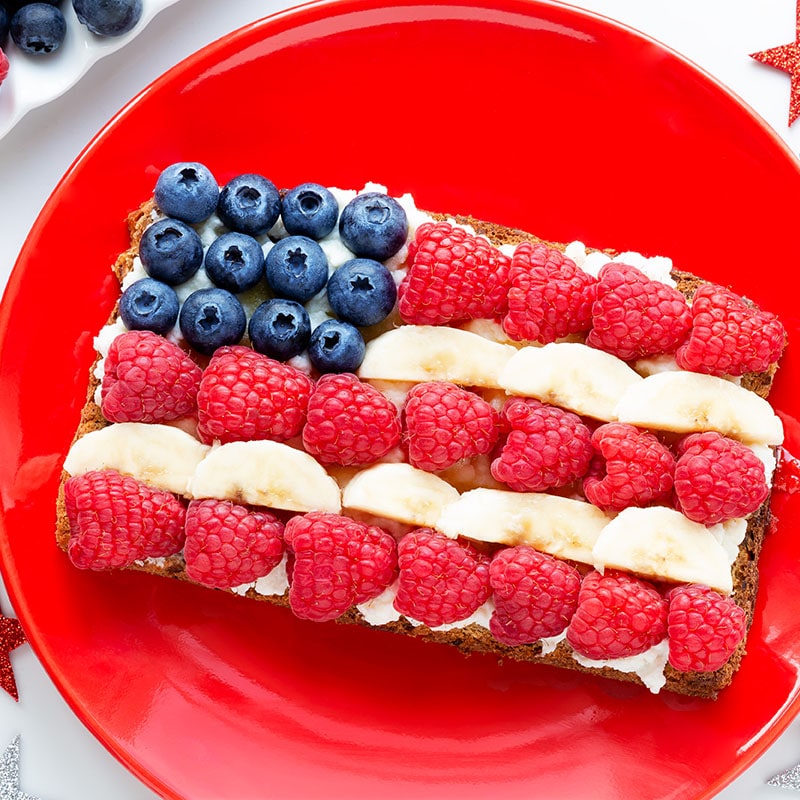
{"points": [[115, 520], [445, 424], [338, 563], [336, 346], [309, 210], [249, 204], [3, 64], [171, 251], [535, 595], [571, 375], [729, 336], [452, 276], [38, 28], [636, 317], [432, 353], [148, 379], [149, 305], [349, 422], [717, 478], [234, 261], [441, 580], [662, 544], [268, 474], [162, 456], [630, 467], [228, 544], [245, 395], [618, 615], [549, 296], [279, 328], [546, 447], [684, 402], [704, 628], [211, 318], [108, 17], [4, 27], [296, 268], [560, 526], [362, 292], [187, 191], [373, 225], [399, 492]]}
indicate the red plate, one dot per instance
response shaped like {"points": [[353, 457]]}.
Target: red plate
{"points": [[530, 114]]}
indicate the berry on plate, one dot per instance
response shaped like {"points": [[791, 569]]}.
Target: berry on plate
{"points": [[108, 17], [187, 191], [279, 328], [38, 28], [296, 268], [148, 379], [337, 563], [309, 210], [115, 520], [171, 251], [244, 395], [249, 204], [149, 305], [235, 261], [373, 225], [212, 318], [362, 292], [336, 346]]}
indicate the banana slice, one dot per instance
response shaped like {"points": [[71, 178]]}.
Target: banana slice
{"points": [[571, 375], [161, 456], [557, 525], [265, 473], [432, 353], [399, 492], [685, 402], [661, 543]]}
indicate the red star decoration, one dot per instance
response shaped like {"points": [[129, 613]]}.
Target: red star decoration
{"points": [[11, 636], [786, 57]]}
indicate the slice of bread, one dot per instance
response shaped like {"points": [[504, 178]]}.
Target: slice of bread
{"points": [[473, 637]]}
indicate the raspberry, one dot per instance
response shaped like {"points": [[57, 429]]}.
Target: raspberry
{"points": [[115, 520], [445, 424], [717, 478], [618, 615], [630, 468], [228, 544], [535, 595], [729, 336], [441, 580], [547, 447], [3, 65], [349, 422], [634, 316], [337, 563], [452, 276], [704, 628], [550, 296], [148, 379], [245, 395]]}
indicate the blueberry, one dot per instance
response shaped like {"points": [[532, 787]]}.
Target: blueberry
{"points": [[171, 251], [3, 25], [280, 329], [296, 267], [187, 191], [362, 291], [249, 204], [38, 28], [309, 210], [336, 346], [149, 305], [108, 17], [235, 261], [373, 225], [211, 318]]}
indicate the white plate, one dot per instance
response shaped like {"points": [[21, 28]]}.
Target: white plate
{"points": [[35, 80]]}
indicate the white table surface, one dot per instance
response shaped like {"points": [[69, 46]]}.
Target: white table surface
{"points": [[60, 759]]}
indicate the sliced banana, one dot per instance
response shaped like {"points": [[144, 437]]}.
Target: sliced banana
{"points": [[265, 473], [685, 402], [161, 456], [571, 375], [560, 526], [399, 492], [433, 353], [661, 543]]}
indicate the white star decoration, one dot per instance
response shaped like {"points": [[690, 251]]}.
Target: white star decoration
{"points": [[9, 774], [788, 779]]}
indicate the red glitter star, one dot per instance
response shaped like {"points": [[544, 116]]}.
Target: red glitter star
{"points": [[786, 57], [11, 636]]}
